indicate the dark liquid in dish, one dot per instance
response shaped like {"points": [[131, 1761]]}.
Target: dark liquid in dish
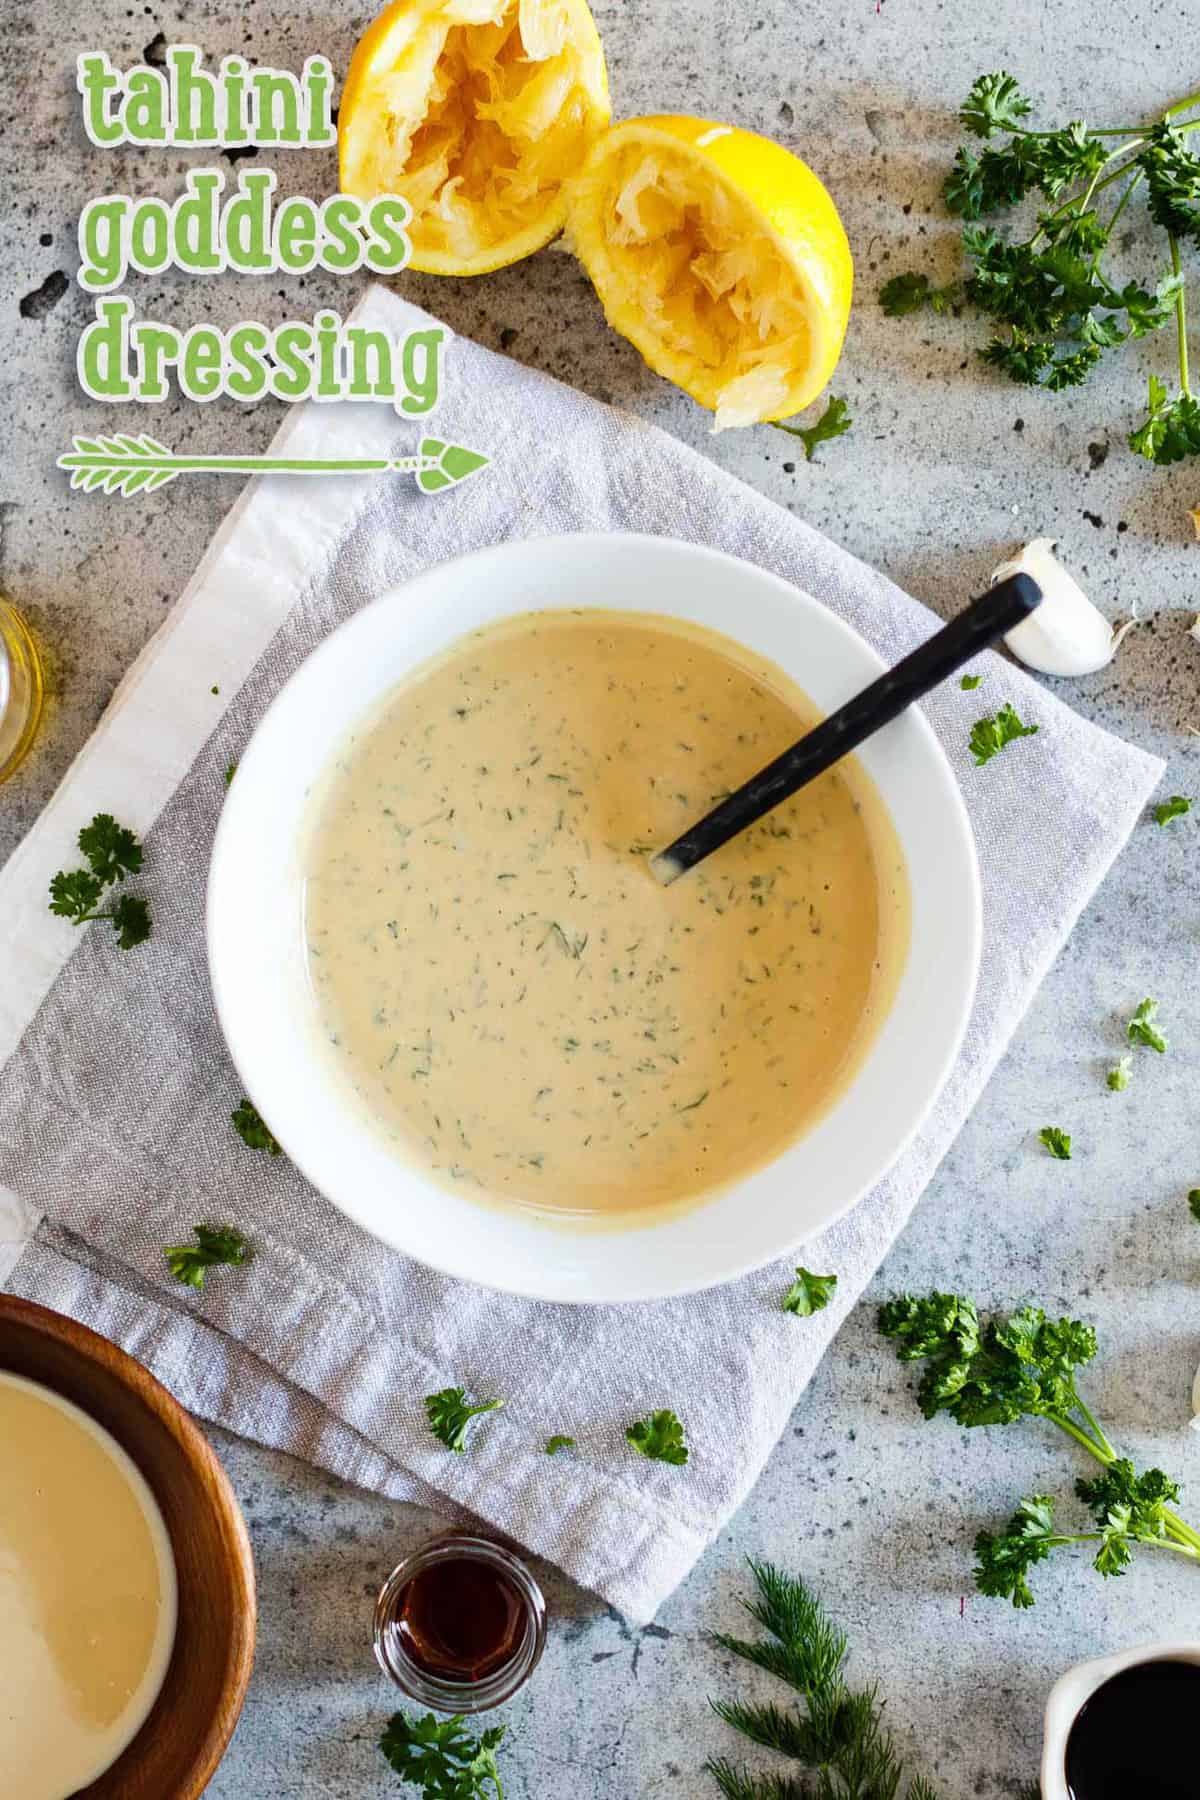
{"points": [[460, 1621], [1135, 1739]]}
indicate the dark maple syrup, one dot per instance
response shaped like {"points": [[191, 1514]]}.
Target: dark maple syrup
{"points": [[460, 1624], [460, 1619], [1135, 1739]]}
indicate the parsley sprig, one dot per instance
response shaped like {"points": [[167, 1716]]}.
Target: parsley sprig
{"points": [[1055, 303], [442, 1758], [905, 294], [840, 1732], [833, 422], [990, 736], [215, 1245], [1174, 808], [660, 1437], [1056, 1141], [1025, 1366], [449, 1414], [112, 852], [1127, 1509], [809, 1293], [253, 1129], [1143, 1028]]}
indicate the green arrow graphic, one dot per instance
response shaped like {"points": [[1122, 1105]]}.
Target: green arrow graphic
{"points": [[135, 465]]}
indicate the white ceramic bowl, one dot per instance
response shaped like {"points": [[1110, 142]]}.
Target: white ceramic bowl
{"points": [[257, 960]]}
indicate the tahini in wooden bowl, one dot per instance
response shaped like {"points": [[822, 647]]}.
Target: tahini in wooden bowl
{"points": [[175, 1753]]}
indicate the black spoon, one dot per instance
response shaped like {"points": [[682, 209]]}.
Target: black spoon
{"points": [[977, 626]]}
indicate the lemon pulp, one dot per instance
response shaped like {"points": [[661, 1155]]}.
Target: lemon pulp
{"points": [[476, 111], [721, 256]]}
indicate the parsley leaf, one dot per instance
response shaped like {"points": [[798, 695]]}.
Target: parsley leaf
{"points": [[555, 1444], [995, 103], [215, 1244], [1149, 312], [250, 1126], [74, 895], [1194, 1203], [989, 182], [112, 852], [1057, 1142], [1118, 1078], [832, 423], [905, 294], [1005, 1558], [809, 1293], [131, 921], [1039, 293], [449, 1416], [970, 682], [1174, 808], [442, 1758], [990, 736], [1065, 158], [1072, 371], [230, 772], [1021, 358], [1172, 181], [1142, 1029], [660, 1437], [1129, 1509], [1171, 430]]}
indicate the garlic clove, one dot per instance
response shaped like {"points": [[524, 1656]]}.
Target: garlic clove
{"points": [[1067, 635], [1194, 628], [1194, 516]]}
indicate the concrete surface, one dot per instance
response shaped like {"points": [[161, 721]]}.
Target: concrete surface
{"points": [[945, 467]]}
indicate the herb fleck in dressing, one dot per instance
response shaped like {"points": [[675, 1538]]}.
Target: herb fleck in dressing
{"points": [[519, 1004]]}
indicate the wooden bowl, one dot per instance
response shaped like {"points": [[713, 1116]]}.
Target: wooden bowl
{"points": [[185, 1736]]}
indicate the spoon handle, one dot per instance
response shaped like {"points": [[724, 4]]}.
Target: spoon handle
{"points": [[971, 631]]}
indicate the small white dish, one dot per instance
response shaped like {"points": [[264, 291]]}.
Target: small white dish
{"points": [[257, 954], [1072, 1691]]}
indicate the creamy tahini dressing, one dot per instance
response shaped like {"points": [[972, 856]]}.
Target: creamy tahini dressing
{"points": [[517, 1001], [87, 1596]]}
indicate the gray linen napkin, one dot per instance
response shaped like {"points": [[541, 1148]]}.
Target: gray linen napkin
{"points": [[114, 1105]]}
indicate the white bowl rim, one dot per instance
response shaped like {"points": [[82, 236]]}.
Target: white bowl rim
{"points": [[636, 1276]]}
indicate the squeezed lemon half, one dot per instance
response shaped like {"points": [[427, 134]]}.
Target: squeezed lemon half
{"points": [[721, 256], [476, 111]]}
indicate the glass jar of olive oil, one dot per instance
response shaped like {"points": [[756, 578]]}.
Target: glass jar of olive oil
{"points": [[22, 685]]}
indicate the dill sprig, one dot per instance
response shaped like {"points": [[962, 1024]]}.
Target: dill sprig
{"points": [[840, 1734]]}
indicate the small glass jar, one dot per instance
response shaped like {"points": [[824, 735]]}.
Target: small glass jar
{"points": [[454, 1570], [22, 685]]}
